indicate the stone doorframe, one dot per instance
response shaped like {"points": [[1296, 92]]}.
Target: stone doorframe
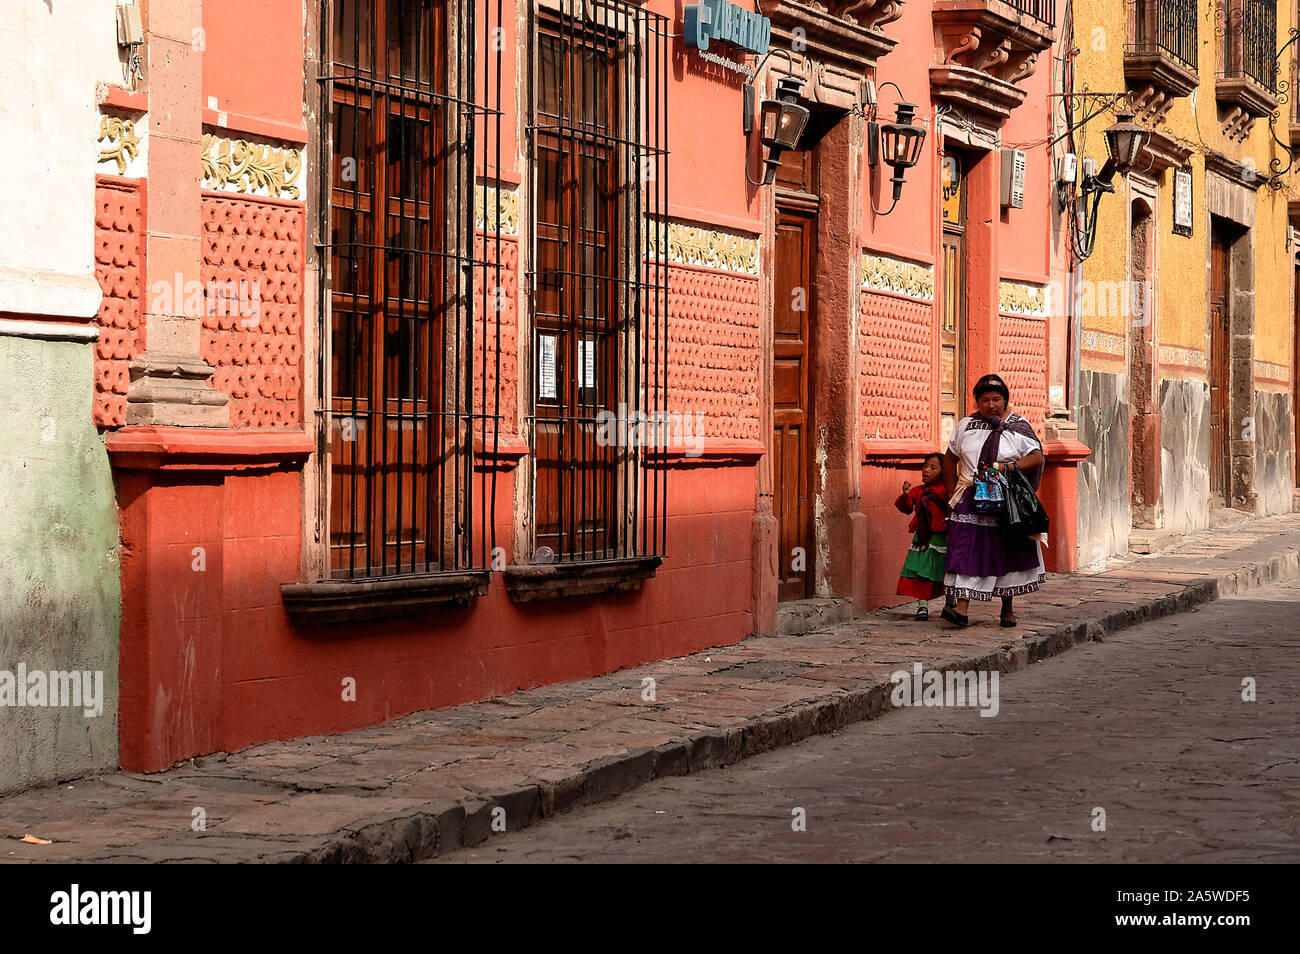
{"points": [[832, 48], [1230, 194], [1143, 257], [839, 526]]}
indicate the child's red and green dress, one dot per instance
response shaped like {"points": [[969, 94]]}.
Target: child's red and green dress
{"points": [[927, 557]]}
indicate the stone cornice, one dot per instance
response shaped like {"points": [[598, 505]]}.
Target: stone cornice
{"points": [[1161, 151], [846, 32], [1233, 170]]}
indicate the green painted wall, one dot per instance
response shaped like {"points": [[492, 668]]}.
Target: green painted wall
{"points": [[60, 594]]}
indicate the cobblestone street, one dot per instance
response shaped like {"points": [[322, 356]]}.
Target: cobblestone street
{"points": [[1149, 726]]}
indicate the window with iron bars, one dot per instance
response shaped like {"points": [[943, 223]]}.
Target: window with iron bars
{"points": [[1249, 49], [597, 135], [409, 331]]}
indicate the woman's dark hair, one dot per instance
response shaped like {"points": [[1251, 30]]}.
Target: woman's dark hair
{"points": [[935, 454], [991, 382]]}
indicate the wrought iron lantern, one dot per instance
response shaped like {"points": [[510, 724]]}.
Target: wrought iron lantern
{"points": [[1124, 141], [781, 123], [897, 145]]}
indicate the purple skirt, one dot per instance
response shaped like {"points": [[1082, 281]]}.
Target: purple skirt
{"points": [[977, 548]]}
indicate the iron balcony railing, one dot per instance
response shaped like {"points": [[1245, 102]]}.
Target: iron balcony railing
{"points": [[1166, 26], [1259, 42], [1043, 11]]}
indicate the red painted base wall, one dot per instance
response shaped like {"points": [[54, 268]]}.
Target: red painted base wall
{"points": [[210, 661]]}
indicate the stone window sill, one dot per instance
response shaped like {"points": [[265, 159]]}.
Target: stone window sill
{"points": [[348, 601], [552, 581]]}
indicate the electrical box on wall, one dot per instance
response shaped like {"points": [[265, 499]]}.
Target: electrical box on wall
{"points": [[1013, 179], [130, 31], [1067, 168]]}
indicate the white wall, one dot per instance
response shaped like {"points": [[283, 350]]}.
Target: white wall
{"points": [[53, 53]]}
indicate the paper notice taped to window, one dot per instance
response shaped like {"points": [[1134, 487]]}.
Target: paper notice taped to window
{"points": [[588, 363], [546, 367]]}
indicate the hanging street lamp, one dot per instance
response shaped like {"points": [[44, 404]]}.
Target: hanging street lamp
{"points": [[897, 145]]}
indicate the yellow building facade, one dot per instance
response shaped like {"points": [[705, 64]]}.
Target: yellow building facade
{"points": [[1183, 308]]}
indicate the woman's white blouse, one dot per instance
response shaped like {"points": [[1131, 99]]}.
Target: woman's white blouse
{"points": [[967, 442]]}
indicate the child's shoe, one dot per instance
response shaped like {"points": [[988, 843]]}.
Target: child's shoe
{"points": [[922, 613]]}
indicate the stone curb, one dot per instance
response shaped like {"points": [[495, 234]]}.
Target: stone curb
{"points": [[439, 828]]}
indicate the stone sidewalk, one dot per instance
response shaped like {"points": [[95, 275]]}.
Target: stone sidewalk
{"points": [[433, 782]]}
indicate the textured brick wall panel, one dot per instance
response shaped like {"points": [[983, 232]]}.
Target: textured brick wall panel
{"points": [[1022, 361], [895, 339], [714, 358], [485, 333], [119, 267], [257, 358]]}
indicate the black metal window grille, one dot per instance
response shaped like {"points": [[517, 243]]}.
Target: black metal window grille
{"points": [[411, 93], [1249, 29], [597, 144], [1168, 26], [1043, 11]]}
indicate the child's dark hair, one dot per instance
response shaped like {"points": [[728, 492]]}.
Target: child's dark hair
{"points": [[935, 454]]}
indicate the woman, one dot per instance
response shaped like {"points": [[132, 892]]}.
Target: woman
{"points": [[982, 563]]}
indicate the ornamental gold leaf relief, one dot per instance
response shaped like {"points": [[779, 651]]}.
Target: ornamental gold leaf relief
{"points": [[123, 143], [1016, 298], [248, 166], [491, 202], [709, 248], [882, 273]]}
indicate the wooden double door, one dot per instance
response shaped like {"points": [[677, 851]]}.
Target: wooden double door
{"points": [[794, 316]]}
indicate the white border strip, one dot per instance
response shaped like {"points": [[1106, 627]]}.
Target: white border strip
{"points": [[48, 330]]}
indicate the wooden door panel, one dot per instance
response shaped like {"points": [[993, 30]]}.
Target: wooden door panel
{"points": [[792, 397]]}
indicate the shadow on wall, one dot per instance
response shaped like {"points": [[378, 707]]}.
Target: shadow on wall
{"points": [[1184, 505], [1105, 516]]}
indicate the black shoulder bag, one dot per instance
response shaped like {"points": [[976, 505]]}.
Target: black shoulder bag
{"points": [[1024, 514]]}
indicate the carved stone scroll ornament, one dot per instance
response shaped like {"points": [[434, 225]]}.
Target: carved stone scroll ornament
{"points": [[994, 58], [963, 47], [1020, 66], [872, 14], [1150, 104]]}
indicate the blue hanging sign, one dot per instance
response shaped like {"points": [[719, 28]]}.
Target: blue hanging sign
{"points": [[721, 20]]}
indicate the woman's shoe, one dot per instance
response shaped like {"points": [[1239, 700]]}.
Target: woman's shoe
{"points": [[922, 614], [1008, 621], [952, 616]]}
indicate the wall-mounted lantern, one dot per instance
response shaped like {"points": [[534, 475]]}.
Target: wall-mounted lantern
{"points": [[1124, 141], [781, 123], [897, 144]]}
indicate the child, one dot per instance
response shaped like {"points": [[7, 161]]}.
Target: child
{"points": [[923, 570]]}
